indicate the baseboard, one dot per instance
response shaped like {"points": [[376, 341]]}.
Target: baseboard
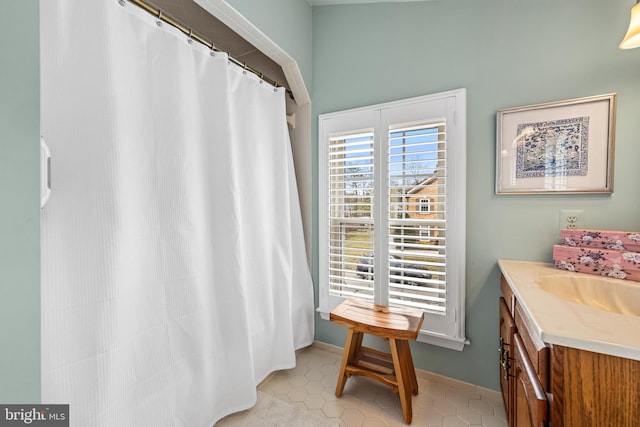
{"points": [[420, 373], [327, 347]]}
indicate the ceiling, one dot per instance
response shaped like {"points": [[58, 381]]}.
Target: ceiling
{"points": [[324, 2]]}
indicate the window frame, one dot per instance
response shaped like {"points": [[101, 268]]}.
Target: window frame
{"points": [[445, 330]]}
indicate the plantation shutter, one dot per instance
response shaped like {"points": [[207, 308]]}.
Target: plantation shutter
{"points": [[351, 213], [416, 255], [416, 165], [392, 198]]}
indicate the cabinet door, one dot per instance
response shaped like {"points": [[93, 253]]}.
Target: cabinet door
{"points": [[507, 329], [530, 401]]}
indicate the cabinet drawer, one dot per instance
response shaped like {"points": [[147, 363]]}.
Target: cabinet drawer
{"points": [[531, 408], [537, 350]]}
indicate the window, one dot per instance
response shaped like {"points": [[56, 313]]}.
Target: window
{"points": [[424, 205], [425, 232], [392, 204]]}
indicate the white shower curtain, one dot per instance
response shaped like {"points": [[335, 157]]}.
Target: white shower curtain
{"points": [[174, 276]]}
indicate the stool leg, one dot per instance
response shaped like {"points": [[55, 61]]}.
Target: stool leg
{"points": [[351, 347], [402, 377], [410, 368]]}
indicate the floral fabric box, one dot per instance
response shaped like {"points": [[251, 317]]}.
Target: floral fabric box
{"points": [[602, 262], [614, 240]]}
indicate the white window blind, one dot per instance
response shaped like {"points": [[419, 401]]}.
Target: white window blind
{"points": [[392, 203], [416, 165], [351, 201]]}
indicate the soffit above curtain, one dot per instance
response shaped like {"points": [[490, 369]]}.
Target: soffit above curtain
{"points": [[192, 15]]}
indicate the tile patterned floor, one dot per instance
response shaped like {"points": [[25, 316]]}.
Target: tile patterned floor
{"points": [[441, 401]]}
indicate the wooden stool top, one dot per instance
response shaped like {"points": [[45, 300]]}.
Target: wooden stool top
{"points": [[386, 322]]}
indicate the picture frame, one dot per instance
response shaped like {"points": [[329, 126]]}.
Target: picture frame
{"points": [[562, 147]]}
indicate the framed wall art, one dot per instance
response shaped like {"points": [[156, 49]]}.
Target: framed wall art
{"points": [[556, 147]]}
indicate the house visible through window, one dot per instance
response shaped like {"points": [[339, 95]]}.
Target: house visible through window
{"points": [[392, 203]]}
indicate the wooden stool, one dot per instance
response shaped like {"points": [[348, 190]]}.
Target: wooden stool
{"points": [[398, 325]]}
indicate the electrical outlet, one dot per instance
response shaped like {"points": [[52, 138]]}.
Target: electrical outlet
{"points": [[571, 219]]}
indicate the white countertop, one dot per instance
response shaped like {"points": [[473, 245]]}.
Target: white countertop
{"points": [[570, 324]]}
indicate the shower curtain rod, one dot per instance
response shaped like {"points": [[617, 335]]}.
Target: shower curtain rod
{"points": [[197, 37]]}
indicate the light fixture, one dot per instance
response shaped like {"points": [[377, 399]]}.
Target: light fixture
{"points": [[632, 39]]}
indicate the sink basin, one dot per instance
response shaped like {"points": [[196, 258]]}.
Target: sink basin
{"points": [[612, 295]]}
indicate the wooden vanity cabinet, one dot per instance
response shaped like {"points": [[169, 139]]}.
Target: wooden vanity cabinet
{"points": [[559, 386]]}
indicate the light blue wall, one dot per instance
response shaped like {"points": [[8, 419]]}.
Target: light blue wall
{"points": [[19, 203], [287, 23], [506, 53]]}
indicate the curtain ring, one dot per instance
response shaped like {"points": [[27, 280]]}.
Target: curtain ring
{"points": [[244, 70], [261, 78], [190, 40], [159, 22]]}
